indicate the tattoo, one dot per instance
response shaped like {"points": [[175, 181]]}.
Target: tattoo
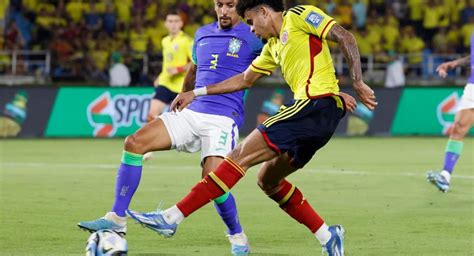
{"points": [[189, 79], [349, 48]]}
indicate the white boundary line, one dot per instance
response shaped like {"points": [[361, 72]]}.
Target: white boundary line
{"points": [[196, 167]]}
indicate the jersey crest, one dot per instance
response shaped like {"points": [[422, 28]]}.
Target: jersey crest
{"points": [[234, 47]]}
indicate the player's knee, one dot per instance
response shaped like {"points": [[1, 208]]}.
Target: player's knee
{"points": [[266, 185], [459, 128], [132, 144]]}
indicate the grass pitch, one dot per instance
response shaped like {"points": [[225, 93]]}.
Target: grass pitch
{"points": [[375, 187]]}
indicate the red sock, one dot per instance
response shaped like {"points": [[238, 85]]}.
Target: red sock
{"points": [[292, 202], [212, 186]]}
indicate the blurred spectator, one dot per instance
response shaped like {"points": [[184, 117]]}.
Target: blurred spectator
{"points": [[467, 12], [119, 75], [359, 11], [440, 42], [343, 13], [3, 14], [271, 105], [92, 19], [412, 45], [109, 19], [395, 74], [467, 30]]}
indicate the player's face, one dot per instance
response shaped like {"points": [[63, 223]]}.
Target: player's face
{"points": [[226, 13], [259, 22], [173, 23]]}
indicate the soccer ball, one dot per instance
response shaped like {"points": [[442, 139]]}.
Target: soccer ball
{"points": [[106, 243]]}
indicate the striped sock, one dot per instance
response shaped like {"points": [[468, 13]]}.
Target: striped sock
{"points": [[215, 184], [291, 200], [128, 179]]}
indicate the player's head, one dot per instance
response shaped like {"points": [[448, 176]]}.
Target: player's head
{"points": [[259, 15], [226, 13], [173, 22]]}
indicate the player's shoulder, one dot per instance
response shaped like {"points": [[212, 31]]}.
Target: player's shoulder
{"points": [[206, 29], [303, 12]]}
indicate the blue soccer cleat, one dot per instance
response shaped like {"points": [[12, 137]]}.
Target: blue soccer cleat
{"points": [[154, 221], [335, 245], [239, 244], [438, 180], [109, 221]]}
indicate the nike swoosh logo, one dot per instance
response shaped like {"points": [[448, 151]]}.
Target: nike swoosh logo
{"points": [[203, 43]]}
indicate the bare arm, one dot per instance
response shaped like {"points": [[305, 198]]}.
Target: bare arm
{"points": [[349, 48], [189, 78], [443, 68], [236, 83], [348, 45]]}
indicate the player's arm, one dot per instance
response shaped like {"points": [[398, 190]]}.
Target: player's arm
{"points": [[189, 78], [236, 83], [348, 45], [443, 68]]}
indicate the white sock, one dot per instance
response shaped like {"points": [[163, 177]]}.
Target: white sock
{"points": [[323, 234], [173, 215], [115, 218], [446, 175]]}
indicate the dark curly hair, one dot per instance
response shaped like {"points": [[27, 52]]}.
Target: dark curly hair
{"points": [[244, 5]]}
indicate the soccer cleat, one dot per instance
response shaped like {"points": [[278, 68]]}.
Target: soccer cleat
{"points": [[335, 245], [239, 244], [438, 180], [154, 221], [109, 221]]}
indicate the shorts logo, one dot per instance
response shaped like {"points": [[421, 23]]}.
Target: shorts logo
{"points": [[314, 19], [446, 111]]}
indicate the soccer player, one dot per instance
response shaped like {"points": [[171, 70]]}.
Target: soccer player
{"points": [[177, 53], [221, 50], [463, 121], [285, 142]]}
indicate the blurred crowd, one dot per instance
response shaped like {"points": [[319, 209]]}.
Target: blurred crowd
{"points": [[83, 34]]}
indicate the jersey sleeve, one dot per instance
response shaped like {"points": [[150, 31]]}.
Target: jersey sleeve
{"points": [[264, 63], [311, 20]]}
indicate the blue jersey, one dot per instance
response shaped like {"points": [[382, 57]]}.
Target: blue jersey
{"points": [[220, 54], [471, 78]]}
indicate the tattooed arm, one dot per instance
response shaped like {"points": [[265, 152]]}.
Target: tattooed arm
{"points": [[443, 68], [348, 46]]}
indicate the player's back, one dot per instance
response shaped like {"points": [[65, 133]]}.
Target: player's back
{"points": [[220, 54]]}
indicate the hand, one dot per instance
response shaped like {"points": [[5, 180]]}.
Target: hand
{"points": [[443, 68], [350, 102], [182, 100], [365, 94], [172, 71]]}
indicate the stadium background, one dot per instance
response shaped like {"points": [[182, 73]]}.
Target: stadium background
{"points": [[54, 57]]}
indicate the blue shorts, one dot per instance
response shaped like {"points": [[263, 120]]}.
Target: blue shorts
{"points": [[164, 94], [302, 127]]}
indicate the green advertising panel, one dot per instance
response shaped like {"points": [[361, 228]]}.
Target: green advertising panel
{"points": [[427, 111], [98, 112]]}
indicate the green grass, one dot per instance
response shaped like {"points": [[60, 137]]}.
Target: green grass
{"points": [[375, 187]]}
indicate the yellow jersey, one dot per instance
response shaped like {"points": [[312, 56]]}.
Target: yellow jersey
{"points": [[302, 52], [177, 53]]}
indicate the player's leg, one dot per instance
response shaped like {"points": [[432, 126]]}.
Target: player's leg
{"points": [[227, 209], [152, 137], [161, 98], [271, 179], [253, 150], [463, 122]]}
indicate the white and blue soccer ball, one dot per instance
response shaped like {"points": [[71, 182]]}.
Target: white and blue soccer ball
{"points": [[106, 243]]}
